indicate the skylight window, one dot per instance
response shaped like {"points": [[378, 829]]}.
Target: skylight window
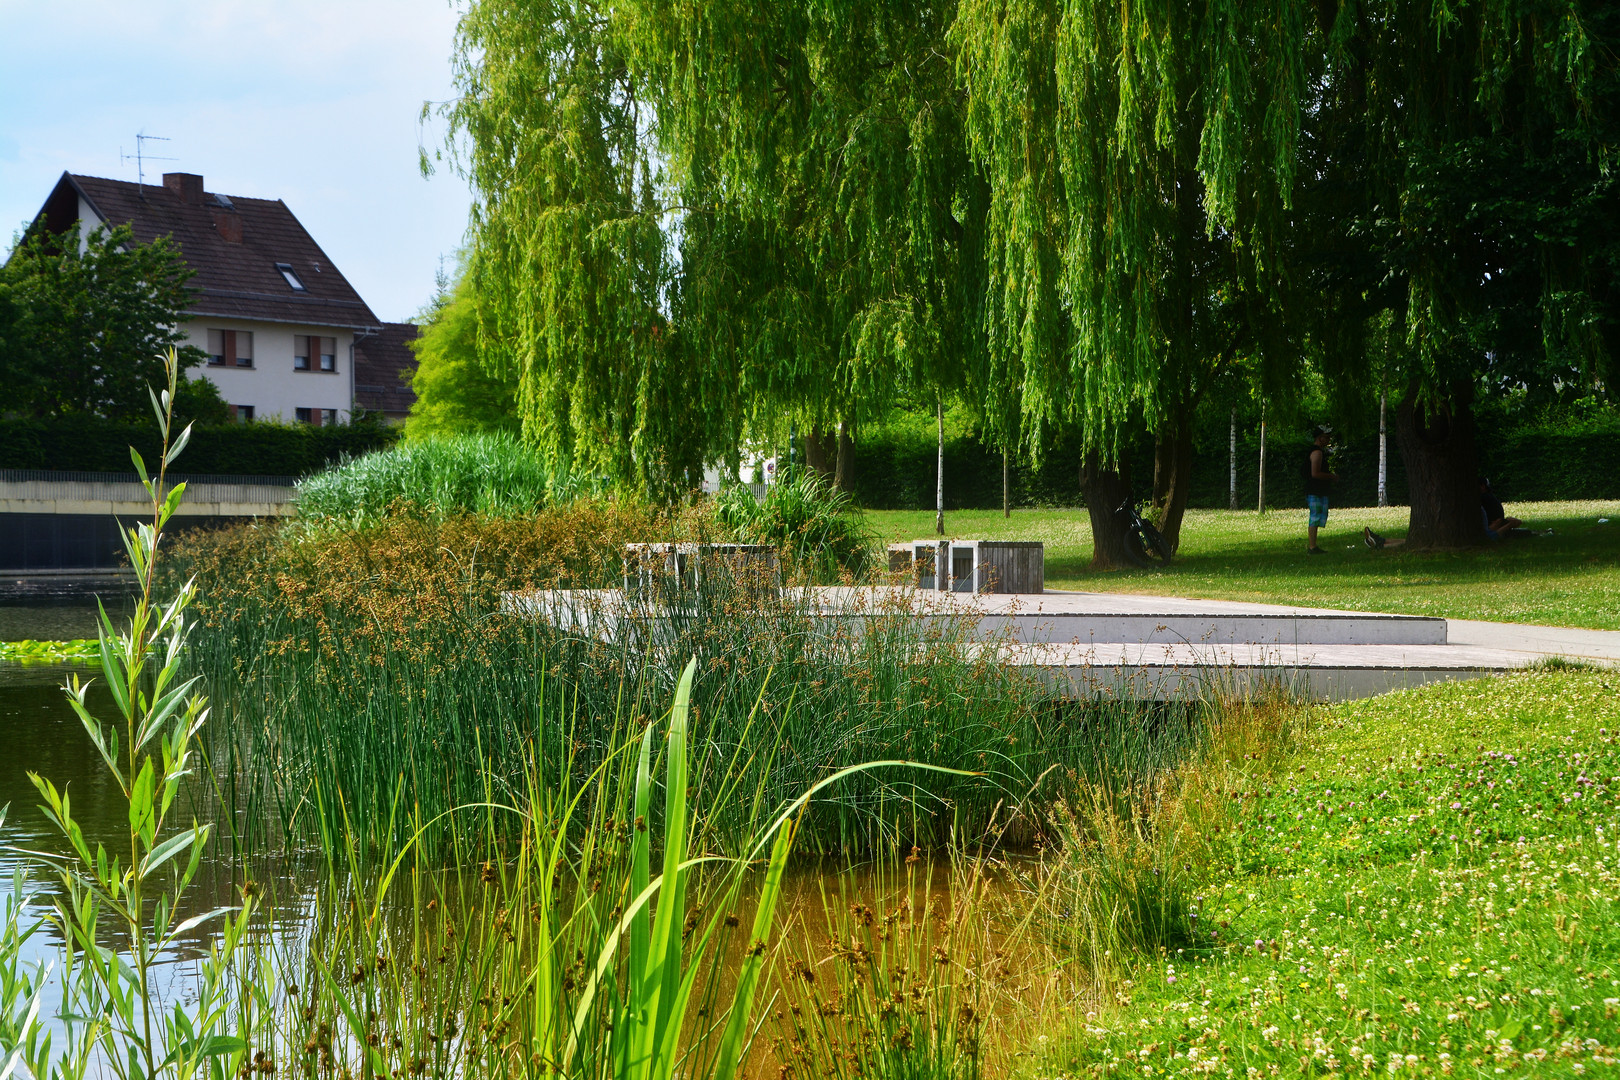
{"points": [[291, 276]]}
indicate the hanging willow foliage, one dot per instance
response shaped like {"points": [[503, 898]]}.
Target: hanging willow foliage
{"points": [[1140, 157], [703, 218]]}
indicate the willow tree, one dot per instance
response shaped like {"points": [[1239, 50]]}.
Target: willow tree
{"points": [[554, 127], [1463, 218], [1141, 162], [699, 219], [831, 219]]}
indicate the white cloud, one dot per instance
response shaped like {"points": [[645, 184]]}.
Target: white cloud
{"points": [[315, 103]]}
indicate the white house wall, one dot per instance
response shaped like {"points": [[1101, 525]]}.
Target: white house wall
{"points": [[272, 385]]}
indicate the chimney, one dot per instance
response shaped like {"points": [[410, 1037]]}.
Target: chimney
{"points": [[189, 186], [228, 223]]}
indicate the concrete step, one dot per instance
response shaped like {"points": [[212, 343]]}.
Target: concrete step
{"points": [[1085, 618], [1303, 672]]}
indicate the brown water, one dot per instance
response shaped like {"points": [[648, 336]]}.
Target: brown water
{"points": [[40, 733]]}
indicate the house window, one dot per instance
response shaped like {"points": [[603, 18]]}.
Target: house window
{"points": [[311, 353], [291, 276], [305, 416], [316, 417], [243, 414], [328, 417], [230, 348]]}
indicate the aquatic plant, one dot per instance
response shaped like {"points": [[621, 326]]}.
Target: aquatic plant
{"points": [[29, 651], [819, 531], [491, 474], [113, 1016]]}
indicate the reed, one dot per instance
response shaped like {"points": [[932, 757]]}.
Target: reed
{"points": [[1136, 846], [491, 474], [411, 683]]}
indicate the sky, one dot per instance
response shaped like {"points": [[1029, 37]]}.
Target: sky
{"points": [[314, 102]]}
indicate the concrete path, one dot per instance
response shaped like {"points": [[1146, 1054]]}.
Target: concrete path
{"points": [[1540, 640]]}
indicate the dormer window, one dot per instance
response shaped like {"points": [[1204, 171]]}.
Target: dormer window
{"points": [[291, 275]]}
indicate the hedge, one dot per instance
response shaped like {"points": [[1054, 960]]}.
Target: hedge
{"points": [[89, 444], [1525, 463]]}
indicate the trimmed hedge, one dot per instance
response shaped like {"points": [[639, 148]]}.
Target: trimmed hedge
{"points": [[1530, 462], [90, 444]]}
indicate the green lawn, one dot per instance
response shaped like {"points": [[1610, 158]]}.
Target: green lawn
{"points": [[1571, 578], [1427, 889]]}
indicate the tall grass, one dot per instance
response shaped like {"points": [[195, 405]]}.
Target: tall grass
{"points": [[379, 665], [1135, 846], [493, 474]]}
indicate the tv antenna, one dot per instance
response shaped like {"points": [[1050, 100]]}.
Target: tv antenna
{"points": [[141, 157]]}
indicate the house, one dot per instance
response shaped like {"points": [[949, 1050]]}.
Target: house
{"points": [[383, 365], [277, 319]]}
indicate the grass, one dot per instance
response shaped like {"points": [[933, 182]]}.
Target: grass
{"points": [[1571, 578], [1428, 887], [483, 474]]}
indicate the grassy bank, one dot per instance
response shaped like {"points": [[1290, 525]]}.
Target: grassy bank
{"points": [[1571, 578], [1427, 887]]}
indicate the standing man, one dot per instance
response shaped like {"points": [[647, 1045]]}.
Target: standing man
{"points": [[1318, 483]]}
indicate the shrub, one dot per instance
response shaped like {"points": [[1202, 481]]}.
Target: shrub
{"points": [[92, 444], [817, 529]]}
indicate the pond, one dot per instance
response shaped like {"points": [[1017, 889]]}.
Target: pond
{"points": [[47, 738]]}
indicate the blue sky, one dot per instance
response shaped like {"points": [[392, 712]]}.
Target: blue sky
{"points": [[315, 102]]}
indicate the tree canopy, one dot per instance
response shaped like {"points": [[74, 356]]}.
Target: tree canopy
{"points": [[699, 220], [83, 330], [458, 391]]}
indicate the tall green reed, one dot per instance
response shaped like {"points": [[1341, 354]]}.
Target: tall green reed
{"points": [[331, 710], [588, 942], [492, 474]]}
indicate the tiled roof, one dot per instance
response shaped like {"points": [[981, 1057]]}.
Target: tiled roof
{"points": [[237, 280], [383, 364]]}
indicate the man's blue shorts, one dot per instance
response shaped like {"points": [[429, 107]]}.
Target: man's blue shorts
{"points": [[1319, 509]]}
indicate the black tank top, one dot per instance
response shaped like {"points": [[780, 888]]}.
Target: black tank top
{"points": [[1313, 486]]}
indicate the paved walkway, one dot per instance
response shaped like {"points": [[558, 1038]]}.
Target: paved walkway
{"points": [[1541, 640]]}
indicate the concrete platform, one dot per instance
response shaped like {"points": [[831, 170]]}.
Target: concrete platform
{"points": [[1303, 672], [1083, 617], [1150, 647]]}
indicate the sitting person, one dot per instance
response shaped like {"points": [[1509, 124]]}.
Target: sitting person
{"points": [[1497, 524]]}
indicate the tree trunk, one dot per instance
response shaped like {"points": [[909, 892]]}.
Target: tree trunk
{"points": [[844, 469], [1262, 460], [1105, 490], [1172, 477], [1231, 465], [1383, 450], [1442, 468], [1006, 496], [819, 451]]}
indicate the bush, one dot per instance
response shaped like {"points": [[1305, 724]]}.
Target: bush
{"points": [[493, 475], [817, 529], [92, 444]]}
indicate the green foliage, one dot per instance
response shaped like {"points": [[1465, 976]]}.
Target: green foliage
{"points": [[491, 474], [1140, 159], [29, 651], [113, 1014], [805, 164], [459, 391], [84, 331], [92, 444], [816, 528]]}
